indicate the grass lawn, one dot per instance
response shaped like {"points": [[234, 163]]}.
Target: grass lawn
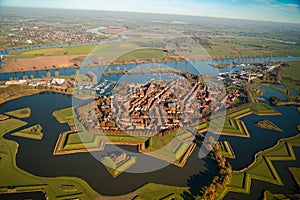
{"points": [[33, 132], [296, 174], [65, 116], [20, 113]]}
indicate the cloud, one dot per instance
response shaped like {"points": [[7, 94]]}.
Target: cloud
{"points": [[292, 5]]}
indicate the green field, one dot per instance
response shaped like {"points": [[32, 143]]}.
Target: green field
{"points": [[32, 132], [20, 113], [56, 51], [293, 71], [291, 76], [11, 124], [262, 168], [239, 47], [142, 54], [47, 51]]}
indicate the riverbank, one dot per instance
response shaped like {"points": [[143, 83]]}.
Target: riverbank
{"points": [[30, 92], [24, 181], [282, 150]]}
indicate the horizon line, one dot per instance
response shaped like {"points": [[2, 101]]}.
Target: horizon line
{"points": [[159, 13]]}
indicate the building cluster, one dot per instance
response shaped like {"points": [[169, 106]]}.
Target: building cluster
{"points": [[166, 105], [242, 77], [38, 33], [159, 106], [151, 106], [54, 83]]}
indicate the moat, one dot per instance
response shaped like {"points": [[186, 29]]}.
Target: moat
{"points": [[36, 156]]}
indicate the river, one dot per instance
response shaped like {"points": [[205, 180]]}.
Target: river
{"points": [[199, 67]]}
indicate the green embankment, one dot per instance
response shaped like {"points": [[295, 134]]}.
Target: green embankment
{"points": [[225, 148], [263, 109], [296, 174], [270, 196], [169, 148], [235, 127], [20, 113], [116, 170], [268, 125], [13, 179], [158, 191], [262, 168], [33, 132], [65, 116], [237, 114], [11, 124]]}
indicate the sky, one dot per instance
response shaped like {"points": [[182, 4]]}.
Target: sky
{"points": [[265, 10]]}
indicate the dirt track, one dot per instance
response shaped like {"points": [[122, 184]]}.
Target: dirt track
{"points": [[38, 63]]}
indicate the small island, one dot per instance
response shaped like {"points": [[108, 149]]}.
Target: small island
{"points": [[268, 125], [33, 132], [116, 163], [20, 113], [279, 102], [296, 174]]}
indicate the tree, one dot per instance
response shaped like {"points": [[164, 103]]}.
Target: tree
{"points": [[218, 155]]}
